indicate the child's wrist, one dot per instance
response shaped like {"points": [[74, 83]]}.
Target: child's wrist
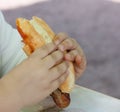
{"points": [[10, 100]]}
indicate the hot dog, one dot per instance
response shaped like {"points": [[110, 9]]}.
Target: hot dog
{"points": [[36, 33]]}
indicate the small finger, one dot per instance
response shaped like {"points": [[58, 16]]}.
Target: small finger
{"points": [[70, 56], [60, 37], [53, 58], [47, 49], [56, 83], [68, 44], [58, 70], [80, 65]]}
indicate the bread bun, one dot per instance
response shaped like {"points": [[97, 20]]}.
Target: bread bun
{"points": [[35, 34]]}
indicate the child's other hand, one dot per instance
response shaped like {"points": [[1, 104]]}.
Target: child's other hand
{"points": [[74, 52]]}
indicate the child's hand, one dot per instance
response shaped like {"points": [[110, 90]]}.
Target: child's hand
{"points": [[74, 52], [36, 77]]}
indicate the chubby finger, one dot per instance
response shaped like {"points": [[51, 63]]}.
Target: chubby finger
{"points": [[80, 66], [68, 44], [78, 60], [53, 58], [58, 70], [70, 56], [60, 37], [46, 49], [56, 83]]}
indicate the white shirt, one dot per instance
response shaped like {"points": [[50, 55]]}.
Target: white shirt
{"points": [[11, 52]]}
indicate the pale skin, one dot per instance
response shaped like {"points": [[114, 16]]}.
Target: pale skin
{"points": [[40, 74], [75, 54]]}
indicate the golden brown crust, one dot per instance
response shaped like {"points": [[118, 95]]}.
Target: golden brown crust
{"points": [[27, 50], [30, 36], [45, 26]]}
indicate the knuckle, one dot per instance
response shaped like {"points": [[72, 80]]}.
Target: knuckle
{"points": [[70, 43], [57, 55], [63, 67]]}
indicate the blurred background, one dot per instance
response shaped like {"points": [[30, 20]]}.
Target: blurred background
{"points": [[95, 24]]}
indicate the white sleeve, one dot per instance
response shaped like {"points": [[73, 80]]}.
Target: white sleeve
{"points": [[11, 52]]}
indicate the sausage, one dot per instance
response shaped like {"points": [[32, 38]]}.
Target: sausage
{"points": [[61, 99]]}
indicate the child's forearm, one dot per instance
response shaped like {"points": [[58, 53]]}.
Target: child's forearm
{"points": [[8, 101]]}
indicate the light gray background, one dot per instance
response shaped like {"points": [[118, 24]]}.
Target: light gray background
{"points": [[96, 26]]}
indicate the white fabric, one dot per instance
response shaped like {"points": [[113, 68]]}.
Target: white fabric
{"points": [[11, 52], [85, 100]]}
